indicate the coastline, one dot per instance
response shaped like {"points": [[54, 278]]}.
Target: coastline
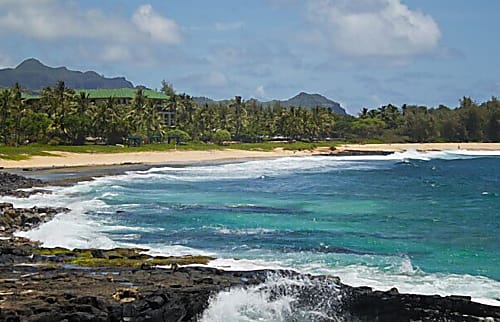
{"points": [[140, 160], [421, 147], [202, 283], [67, 159]]}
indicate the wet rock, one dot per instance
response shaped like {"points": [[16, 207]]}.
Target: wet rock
{"points": [[393, 306], [13, 219], [10, 183], [98, 294]]}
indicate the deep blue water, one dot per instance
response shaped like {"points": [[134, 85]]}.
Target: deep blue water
{"points": [[424, 223]]}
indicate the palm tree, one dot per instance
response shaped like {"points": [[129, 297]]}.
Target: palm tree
{"points": [[151, 119], [56, 102], [17, 111], [77, 118], [4, 114]]}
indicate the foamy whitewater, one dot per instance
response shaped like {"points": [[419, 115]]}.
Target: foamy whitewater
{"points": [[425, 223]]}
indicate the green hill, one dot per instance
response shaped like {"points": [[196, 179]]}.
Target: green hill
{"points": [[31, 74]]}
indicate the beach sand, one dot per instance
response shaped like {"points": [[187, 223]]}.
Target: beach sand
{"points": [[67, 159], [422, 147]]}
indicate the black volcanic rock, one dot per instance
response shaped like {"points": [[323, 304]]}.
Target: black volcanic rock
{"points": [[10, 183], [33, 75], [38, 293]]}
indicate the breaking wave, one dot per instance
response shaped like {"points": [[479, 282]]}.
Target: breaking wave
{"points": [[280, 298]]}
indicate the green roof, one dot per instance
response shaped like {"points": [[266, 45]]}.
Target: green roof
{"points": [[111, 92], [121, 93], [26, 96]]}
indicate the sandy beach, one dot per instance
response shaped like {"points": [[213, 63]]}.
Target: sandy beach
{"points": [[422, 147], [67, 159]]}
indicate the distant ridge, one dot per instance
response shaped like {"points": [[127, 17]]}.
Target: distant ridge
{"points": [[31, 74], [302, 99]]}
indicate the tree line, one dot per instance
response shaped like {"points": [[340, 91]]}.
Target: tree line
{"points": [[468, 122], [64, 116]]}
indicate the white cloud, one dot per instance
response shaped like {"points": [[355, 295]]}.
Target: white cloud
{"points": [[377, 28], [227, 26], [156, 26], [215, 79], [54, 19], [115, 53], [260, 91], [117, 37]]}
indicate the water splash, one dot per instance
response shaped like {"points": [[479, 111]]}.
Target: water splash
{"points": [[283, 297]]}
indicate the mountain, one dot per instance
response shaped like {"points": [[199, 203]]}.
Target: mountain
{"points": [[33, 75], [313, 100], [302, 99]]}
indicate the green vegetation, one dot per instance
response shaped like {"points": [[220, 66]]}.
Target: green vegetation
{"points": [[127, 262], [221, 136], [117, 257], [27, 151], [63, 119]]}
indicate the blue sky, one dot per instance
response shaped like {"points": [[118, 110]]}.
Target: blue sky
{"points": [[361, 53]]}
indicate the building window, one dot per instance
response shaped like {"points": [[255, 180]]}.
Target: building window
{"points": [[168, 118]]}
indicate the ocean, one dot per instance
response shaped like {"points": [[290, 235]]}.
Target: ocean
{"points": [[426, 223]]}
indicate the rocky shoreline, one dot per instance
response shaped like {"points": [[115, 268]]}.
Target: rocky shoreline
{"points": [[44, 284]]}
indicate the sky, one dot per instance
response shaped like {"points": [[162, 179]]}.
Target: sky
{"points": [[361, 53]]}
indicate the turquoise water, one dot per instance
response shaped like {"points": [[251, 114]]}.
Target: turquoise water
{"points": [[425, 223]]}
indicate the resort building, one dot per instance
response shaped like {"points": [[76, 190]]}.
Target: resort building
{"points": [[124, 96]]}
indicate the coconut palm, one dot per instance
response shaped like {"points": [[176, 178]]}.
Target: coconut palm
{"points": [[18, 109], [77, 118], [4, 114]]}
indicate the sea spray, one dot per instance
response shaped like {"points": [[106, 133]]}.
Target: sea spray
{"points": [[285, 296]]}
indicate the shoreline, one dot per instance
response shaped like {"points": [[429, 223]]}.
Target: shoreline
{"points": [[421, 147], [82, 162], [175, 158]]}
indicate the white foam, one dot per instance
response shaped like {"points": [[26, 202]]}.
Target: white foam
{"points": [[262, 169], [481, 289], [397, 272], [232, 264], [244, 231], [173, 250], [278, 299], [74, 229], [71, 230], [242, 305]]}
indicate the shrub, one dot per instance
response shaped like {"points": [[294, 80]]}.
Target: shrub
{"points": [[179, 134], [220, 136]]}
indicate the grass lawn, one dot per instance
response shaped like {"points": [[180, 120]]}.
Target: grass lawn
{"points": [[27, 151]]}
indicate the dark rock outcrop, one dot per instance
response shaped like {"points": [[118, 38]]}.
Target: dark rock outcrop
{"points": [[365, 304], [12, 219], [117, 294], [10, 183]]}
